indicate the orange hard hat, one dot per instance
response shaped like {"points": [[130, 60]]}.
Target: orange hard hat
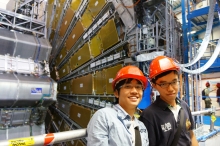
{"points": [[130, 72], [207, 84], [161, 64], [218, 85]]}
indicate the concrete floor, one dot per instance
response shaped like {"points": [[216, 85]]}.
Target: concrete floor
{"points": [[212, 141]]}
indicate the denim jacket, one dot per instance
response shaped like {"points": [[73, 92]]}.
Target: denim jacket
{"points": [[110, 127]]}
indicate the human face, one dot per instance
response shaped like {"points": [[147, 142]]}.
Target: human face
{"points": [[168, 94], [130, 94]]}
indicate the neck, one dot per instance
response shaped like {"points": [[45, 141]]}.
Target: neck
{"points": [[130, 111], [173, 103], [170, 102]]}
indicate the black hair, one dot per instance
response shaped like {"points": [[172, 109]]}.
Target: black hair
{"points": [[121, 83], [164, 74]]}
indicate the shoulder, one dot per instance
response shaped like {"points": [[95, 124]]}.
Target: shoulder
{"points": [[103, 115], [149, 113], [141, 125], [150, 109], [184, 104], [105, 111]]}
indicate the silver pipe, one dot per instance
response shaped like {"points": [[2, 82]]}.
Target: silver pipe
{"points": [[201, 112], [205, 111], [47, 139]]}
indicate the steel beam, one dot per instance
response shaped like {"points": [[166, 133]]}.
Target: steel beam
{"points": [[203, 30], [200, 12], [185, 47]]}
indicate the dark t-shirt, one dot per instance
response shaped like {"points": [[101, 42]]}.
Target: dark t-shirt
{"points": [[162, 126], [218, 94]]}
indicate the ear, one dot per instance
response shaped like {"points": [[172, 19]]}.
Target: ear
{"points": [[116, 93]]}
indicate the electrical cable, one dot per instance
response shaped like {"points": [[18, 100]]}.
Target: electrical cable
{"points": [[206, 39], [207, 65]]}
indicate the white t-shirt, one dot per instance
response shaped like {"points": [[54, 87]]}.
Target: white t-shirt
{"points": [[175, 110], [132, 130]]}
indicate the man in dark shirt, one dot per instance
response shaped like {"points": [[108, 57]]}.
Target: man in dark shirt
{"points": [[162, 118], [218, 93]]}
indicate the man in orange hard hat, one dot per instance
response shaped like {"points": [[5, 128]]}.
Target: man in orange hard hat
{"points": [[117, 126], [168, 120], [207, 90]]}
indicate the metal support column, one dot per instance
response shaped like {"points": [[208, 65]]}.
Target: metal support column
{"points": [[185, 46]]}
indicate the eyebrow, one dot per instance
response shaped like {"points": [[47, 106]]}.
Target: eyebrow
{"points": [[168, 82]]}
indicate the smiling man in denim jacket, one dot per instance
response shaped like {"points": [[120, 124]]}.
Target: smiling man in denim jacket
{"points": [[117, 126]]}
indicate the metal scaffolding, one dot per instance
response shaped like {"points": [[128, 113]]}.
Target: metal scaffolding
{"points": [[29, 16]]}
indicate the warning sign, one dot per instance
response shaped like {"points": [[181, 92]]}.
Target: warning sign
{"points": [[22, 142], [213, 118]]}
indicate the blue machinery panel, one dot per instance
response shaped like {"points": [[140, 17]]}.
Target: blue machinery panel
{"points": [[146, 99], [214, 68]]}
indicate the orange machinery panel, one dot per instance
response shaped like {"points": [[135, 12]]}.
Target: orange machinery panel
{"points": [[64, 126], [110, 74], [86, 19], [95, 6], [61, 56], [95, 46], [74, 35], [73, 61], [64, 87], [66, 21], [99, 82], [89, 84], [83, 85], [83, 55], [64, 70], [80, 115], [75, 5], [61, 2], [109, 34], [50, 1], [64, 106]]}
